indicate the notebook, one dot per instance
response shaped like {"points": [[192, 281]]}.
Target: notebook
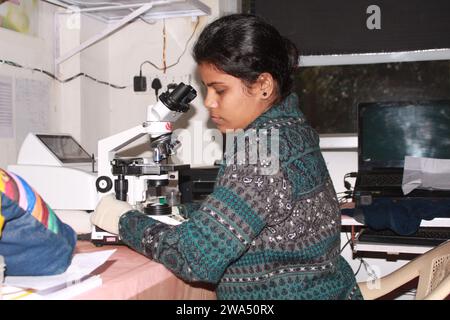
{"points": [[389, 131]]}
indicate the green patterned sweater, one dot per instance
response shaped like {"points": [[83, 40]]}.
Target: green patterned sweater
{"points": [[259, 236]]}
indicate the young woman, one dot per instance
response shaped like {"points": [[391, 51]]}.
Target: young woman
{"points": [[258, 235]]}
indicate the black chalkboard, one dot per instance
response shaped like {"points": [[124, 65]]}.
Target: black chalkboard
{"points": [[340, 26]]}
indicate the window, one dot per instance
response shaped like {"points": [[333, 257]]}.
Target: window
{"points": [[329, 94], [358, 64]]}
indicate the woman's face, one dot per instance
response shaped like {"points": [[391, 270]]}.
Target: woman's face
{"points": [[231, 104]]}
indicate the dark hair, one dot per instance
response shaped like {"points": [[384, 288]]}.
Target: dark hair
{"points": [[244, 46]]}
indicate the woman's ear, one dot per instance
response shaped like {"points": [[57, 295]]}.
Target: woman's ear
{"points": [[265, 86]]}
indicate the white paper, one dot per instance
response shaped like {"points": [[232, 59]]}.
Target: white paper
{"points": [[80, 268], [71, 291], [32, 104], [172, 219], [15, 293], [6, 108], [425, 173]]}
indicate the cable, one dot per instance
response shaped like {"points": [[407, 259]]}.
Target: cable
{"points": [[342, 249], [179, 58], [349, 241], [165, 66], [344, 196], [370, 272], [51, 75], [347, 184], [164, 46], [359, 268]]}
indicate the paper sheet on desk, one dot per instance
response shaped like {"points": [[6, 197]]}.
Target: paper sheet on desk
{"points": [[172, 219], [80, 268], [425, 173]]}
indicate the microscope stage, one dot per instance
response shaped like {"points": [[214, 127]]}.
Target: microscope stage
{"points": [[137, 167]]}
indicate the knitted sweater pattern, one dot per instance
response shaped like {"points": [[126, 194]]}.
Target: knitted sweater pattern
{"points": [[259, 236]]}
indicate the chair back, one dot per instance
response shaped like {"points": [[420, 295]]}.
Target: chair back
{"points": [[434, 268]]}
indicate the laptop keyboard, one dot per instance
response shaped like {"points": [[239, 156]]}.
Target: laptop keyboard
{"points": [[381, 180], [425, 236]]}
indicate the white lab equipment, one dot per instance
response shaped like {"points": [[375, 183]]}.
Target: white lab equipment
{"points": [[64, 174], [131, 179], [59, 169]]}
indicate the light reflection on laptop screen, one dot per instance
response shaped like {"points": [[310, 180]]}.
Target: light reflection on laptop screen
{"points": [[389, 131]]}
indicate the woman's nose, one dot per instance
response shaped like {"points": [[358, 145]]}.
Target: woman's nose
{"points": [[210, 102]]}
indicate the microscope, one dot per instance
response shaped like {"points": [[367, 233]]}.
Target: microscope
{"points": [[133, 179]]}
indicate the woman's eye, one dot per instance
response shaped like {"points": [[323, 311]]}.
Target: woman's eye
{"points": [[220, 92]]}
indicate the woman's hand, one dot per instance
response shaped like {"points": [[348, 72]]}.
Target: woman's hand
{"points": [[108, 212]]}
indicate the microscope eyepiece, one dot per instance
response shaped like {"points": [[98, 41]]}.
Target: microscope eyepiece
{"points": [[178, 100]]}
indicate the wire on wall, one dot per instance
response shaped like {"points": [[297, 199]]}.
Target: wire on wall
{"points": [[164, 46], [51, 75], [165, 67]]}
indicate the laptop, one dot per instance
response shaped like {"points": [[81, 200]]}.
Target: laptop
{"points": [[389, 131]]}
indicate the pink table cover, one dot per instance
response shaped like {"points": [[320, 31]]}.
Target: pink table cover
{"points": [[130, 275]]}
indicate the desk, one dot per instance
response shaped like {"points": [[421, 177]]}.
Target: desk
{"points": [[130, 275], [393, 249]]}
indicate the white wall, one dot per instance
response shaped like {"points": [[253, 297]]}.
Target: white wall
{"points": [[95, 97], [84, 102], [96, 111], [91, 111], [339, 163], [77, 107], [34, 52], [139, 42]]}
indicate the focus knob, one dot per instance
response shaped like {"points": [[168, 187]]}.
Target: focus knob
{"points": [[103, 184]]}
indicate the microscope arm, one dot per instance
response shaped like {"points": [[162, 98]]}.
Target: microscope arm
{"points": [[107, 147]]}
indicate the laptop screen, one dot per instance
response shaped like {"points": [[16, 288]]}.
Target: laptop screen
{"points": [[389, 131]]}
